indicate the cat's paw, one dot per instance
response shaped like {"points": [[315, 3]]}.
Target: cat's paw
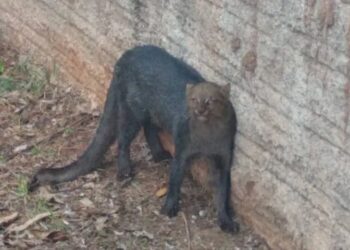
{"points": [[124, 173], [228, 225], [161, 156], [170, 209]]}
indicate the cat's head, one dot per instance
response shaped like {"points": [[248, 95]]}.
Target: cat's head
{"points": [[207, 101]]}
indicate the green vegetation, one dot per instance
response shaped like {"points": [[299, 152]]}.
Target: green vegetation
{"points": [[6, 85], [39, 205], [34, 78], [35, 151], [22, 187], [68, 131], [54, 221], [2, 67], [44, 152], [2, 159], [42, 206], [24, 76]]}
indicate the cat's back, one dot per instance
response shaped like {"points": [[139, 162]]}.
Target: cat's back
{"points": [[149, 63]]}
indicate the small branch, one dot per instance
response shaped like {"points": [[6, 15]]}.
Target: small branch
{"points": [[187, 231], [28, 223], [8, 219]]}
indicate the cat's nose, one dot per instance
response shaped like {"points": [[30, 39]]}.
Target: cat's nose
{"points": [[200, 111]]}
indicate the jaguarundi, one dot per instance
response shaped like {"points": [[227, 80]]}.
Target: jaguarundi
{"points": [[152, 89]]}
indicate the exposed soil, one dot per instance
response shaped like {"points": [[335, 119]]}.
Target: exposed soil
{"points": [[45, 124]]}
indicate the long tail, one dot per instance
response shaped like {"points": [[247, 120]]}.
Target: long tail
{"points": [[106, 134]]}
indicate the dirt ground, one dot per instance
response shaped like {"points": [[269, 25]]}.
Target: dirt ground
{"points": [[43, 124]]}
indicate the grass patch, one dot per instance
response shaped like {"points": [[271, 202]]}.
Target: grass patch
{"points": [[2, 159], [6, 84], [39, 206], [42, 206], [68, 131], [22, 186], [2, 67], [24, 76], [54, 221], [43, 152], [35, 151], [32, 78]]}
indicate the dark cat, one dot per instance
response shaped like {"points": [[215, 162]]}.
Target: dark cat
{"points": [[156, 91]]}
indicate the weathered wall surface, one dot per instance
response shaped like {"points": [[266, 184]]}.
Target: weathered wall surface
{"points": [[289, 65]]}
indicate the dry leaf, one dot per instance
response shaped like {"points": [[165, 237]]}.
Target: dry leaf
{"points": [[20, 148], [143, 234], [87, 203], [117, 233], [50, 197], [55, 236], [89, 185], [100, 223], [161, 192]]}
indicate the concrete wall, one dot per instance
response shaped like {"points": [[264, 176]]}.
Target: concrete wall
{"points": [[289, 65]]}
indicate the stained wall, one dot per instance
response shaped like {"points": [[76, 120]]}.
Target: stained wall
{"points": [[289, 66]]}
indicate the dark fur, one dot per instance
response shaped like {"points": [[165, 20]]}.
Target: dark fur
{"points": [[148, 90]]}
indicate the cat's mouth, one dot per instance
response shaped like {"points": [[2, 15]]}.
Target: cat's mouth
{"points": [[201, 116]]}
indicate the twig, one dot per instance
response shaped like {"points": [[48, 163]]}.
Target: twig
{"points": [[28, 223], [8, 219], [187, 231]]}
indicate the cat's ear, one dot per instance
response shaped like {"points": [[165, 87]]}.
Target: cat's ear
{"points": [[226, 89], [189, 88]]}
